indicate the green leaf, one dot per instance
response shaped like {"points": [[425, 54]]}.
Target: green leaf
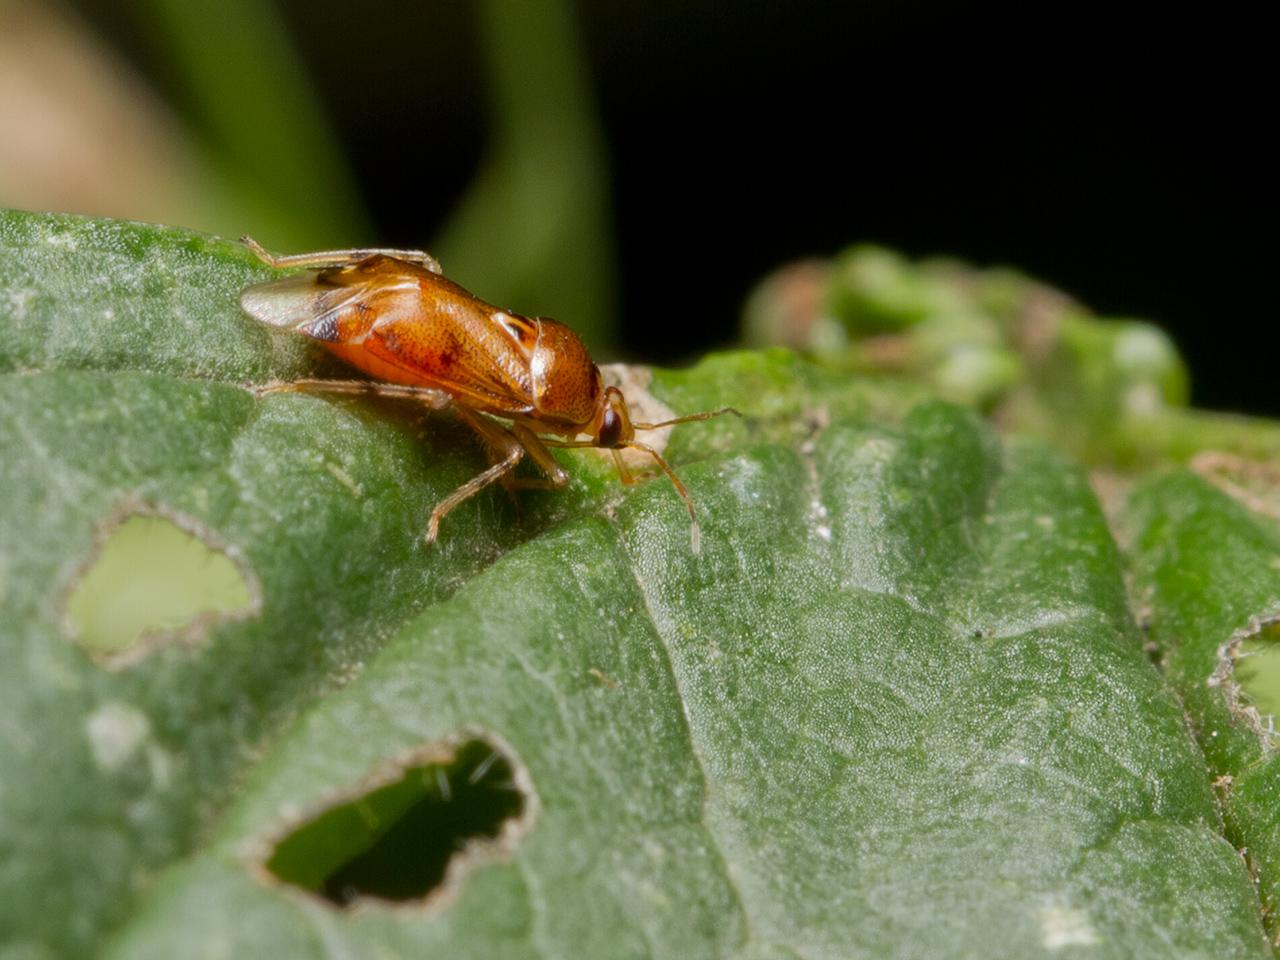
{"points": [[897, 706], [1208, 570]]}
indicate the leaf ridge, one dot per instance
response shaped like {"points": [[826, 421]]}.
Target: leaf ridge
{"points": [[694, 749]]}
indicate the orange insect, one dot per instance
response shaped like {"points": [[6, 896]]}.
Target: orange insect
{"points": [[391, 314]]}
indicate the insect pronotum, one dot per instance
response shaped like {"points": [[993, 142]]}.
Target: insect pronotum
{"points": [[514, 380]]}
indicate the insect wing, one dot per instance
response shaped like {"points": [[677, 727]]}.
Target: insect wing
{"points": [[463, 354], [310, 303], [401, 324]]}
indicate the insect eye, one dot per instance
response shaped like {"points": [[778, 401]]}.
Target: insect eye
{"points": [[610, 429]]}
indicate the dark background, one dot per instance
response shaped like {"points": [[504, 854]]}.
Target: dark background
{"points": [[1121, 154]]}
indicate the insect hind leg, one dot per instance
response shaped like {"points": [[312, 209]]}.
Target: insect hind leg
{"points": [[501, 441], [432, 398], [338, 258]]}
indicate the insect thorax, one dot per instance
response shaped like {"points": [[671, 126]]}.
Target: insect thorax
{"points": [[566, 383]]}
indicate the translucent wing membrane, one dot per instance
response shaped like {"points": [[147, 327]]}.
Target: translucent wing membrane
{"points": [[312, 303], [398, 322]]}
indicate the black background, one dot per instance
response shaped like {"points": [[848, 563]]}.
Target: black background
{"points": [[1119, 153]]}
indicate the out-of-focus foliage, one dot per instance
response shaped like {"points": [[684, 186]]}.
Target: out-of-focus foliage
{"points": [[1110, 391], [247, 148]]}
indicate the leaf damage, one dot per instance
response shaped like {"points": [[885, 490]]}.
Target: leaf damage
{"points": [[155, 578], [410, 831]]}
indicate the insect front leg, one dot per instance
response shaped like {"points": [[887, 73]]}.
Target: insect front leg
{"points": [[498, 439], [624, 472], [338, 258], [533, 445]]}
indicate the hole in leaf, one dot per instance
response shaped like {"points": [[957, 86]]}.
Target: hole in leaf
{"points": [[415, 832], [1257, 670], [154, 579]]}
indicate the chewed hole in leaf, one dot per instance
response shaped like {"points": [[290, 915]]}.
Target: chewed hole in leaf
{"points": [[1257, 670], [415, 832], [155, 579]]}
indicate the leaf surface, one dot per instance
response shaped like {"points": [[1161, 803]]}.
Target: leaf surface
{"points": [[897, 706], [1208, 571]]}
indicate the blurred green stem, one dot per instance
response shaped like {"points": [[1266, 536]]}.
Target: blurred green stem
{"points": [[252, 105], [534, 233]]}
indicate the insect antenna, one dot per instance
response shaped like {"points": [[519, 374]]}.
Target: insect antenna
{"points": [[705, 415]]}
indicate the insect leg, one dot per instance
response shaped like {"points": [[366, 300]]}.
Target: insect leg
{"points": [[533, 445], [695, 531], [338, 258], [435, 399], [500, 440], [624, 472]]}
